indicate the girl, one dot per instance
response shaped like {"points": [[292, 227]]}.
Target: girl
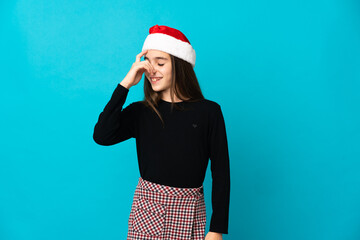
{"points": [[177, 131]]}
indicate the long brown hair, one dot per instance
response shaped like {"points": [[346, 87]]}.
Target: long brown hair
{"points": [[184, 85]]}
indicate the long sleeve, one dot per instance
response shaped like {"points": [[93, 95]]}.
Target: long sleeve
{"points": [[116, 124], [220, 171]]}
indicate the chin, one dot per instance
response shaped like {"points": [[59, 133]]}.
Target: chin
{"points": [[155, 89]]}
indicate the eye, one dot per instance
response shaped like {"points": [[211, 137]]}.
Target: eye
{"points": [[161, 64]]}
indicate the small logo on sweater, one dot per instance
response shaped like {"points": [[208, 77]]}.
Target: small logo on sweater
{"points": [[194, 125]]}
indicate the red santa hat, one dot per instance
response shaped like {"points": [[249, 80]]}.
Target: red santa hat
{"points": [[170, 40]]}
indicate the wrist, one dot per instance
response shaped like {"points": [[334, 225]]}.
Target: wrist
{"points": [[125, 84]]}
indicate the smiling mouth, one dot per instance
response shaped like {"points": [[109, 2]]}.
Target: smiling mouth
{"points": [[155, 79]]}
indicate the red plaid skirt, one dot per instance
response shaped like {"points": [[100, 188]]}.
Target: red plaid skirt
{"points": [[165, 213]]}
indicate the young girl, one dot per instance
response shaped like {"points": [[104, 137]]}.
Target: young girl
{"points": [[177, 131]]}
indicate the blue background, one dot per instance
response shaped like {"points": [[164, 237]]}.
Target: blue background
{"points": [[286, 74]]}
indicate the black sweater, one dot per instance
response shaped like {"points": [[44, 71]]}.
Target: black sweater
{"points": [[178, 154]]}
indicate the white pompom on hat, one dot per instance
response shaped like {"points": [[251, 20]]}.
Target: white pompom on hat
{"points": [[170, 40]]}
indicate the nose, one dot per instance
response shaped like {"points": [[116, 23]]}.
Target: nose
{"points": [[151, 72], [154, 71], [155, 67]]}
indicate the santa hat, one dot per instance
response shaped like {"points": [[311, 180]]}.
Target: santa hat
{"points": [[170, 40]]}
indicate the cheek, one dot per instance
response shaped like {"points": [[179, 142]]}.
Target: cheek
{"points": [[167, 71]]}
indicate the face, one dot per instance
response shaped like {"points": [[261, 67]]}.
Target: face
{"points": [[161, 62]]}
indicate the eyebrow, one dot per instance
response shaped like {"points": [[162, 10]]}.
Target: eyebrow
{"points": [[162, 58]]}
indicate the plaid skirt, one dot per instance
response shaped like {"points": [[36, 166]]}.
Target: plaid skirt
{"points": [[161, 212]]}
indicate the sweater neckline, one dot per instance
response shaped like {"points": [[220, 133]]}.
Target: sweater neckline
{"points": [[161, 100]]}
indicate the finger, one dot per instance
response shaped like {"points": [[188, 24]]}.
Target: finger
{"points": [[151, 67], [148, 66], [140, 55]]}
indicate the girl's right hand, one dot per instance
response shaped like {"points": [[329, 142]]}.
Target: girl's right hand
{"points": [[137, 69]]}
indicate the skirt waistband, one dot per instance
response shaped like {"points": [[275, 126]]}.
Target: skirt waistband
{"points": [[176, 191]]}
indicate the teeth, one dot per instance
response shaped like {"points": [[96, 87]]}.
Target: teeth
{"points": [[155, 79]]}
